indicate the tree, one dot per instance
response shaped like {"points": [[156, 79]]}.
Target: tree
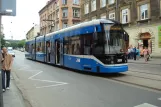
{"points": [[3, 41], [21, 43]]}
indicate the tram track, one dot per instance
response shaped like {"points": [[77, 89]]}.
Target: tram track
{"points": [[145, 76], [145, 72], [142, 79]]}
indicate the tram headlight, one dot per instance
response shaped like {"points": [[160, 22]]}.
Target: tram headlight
{"points": [[112, 60]]}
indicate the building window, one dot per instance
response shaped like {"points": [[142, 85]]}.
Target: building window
{"points": [[76, 13], [76, 2], [125, 16], [64, 2], [57, 14], [65, 24], [111, 1], [144, 12], [93, 5], [65, 13], [57, 26], [86, 8], [102, 3], [112, 16], [57, 4], [103, 16]]}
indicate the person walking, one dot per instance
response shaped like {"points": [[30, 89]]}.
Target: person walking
{"points": [[137, 53], [145, 52], [129, 53], [6, 60], [134, 53]]}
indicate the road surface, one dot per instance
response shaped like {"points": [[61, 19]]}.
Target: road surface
{"points": [[47, 86]]}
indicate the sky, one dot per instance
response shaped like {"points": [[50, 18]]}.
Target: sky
{"points": [[27, 15]]}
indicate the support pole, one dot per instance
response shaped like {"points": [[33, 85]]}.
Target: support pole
{"points": [[1, 92]]}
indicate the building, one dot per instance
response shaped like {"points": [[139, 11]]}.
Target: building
{"points": [[33, 32], [59, 14], [140, 18]]}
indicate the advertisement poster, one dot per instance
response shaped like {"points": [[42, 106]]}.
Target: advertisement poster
{"points": [[159, 36]]}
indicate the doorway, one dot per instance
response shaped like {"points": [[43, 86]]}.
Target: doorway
{"points": [[48, 51], [57, 50], [145, 41]]}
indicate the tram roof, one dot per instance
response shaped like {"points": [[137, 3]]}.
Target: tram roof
{"points": [[93, 22], [83, 24]]}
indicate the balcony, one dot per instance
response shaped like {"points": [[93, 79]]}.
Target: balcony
{"points": [[64, 6]]}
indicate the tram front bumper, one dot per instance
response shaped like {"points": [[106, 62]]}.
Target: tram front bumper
{"points": [[114, 69]]}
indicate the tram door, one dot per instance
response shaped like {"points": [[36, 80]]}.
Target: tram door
{"points": [[61, 52], [48, 51], [57, 51]]}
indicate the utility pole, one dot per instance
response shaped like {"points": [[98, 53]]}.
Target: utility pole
{"points": [[116, 10], [0, 24], [1, 92]]}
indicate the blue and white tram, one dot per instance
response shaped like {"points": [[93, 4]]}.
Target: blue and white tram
{"points": [[94, 46]]}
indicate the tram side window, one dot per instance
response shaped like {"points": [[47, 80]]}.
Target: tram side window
{"points": [[66, 45], [72, 45], [98, 47], [38, 47], [27, 47], [88, 44], [42, 47]]}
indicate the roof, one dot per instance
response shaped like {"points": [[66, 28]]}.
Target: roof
{"points": [[93, 22], [89, 23], [48, 3]]}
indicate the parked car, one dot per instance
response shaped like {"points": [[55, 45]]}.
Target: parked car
{"points": [[10, 51]]}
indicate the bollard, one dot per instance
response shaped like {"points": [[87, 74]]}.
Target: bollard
{"points": [[1, 92]]}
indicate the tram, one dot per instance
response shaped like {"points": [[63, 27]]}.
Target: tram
{"points": [[95, 46]]}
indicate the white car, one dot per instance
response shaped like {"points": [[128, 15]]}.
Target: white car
{"points": [[11, 52]]}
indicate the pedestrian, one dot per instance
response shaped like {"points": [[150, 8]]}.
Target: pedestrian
{"points": [[146, 52], [6, 60], [137, 53], [129, 53], [134, 53]]}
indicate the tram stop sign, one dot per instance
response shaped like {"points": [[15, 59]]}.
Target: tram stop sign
{"points": [[8, 7]]}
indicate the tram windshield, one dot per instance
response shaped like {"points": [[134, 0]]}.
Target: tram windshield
{"points": [[114, 37]]}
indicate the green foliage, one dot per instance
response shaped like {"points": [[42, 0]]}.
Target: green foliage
{"points": [[3, 41], [12, 44], [21, 43], [15, 43]]}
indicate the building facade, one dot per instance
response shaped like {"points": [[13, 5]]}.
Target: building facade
{"points": [[59, 14], [33, 32], [140, 18]]}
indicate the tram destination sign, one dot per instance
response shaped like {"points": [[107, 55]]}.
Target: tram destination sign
{"points": [[8, 7]]}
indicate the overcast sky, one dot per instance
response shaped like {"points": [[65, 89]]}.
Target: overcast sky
{"points": [[27, 14]]}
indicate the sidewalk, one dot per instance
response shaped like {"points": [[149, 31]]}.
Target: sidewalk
{"points": [[155, 61], [13, 97]]}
